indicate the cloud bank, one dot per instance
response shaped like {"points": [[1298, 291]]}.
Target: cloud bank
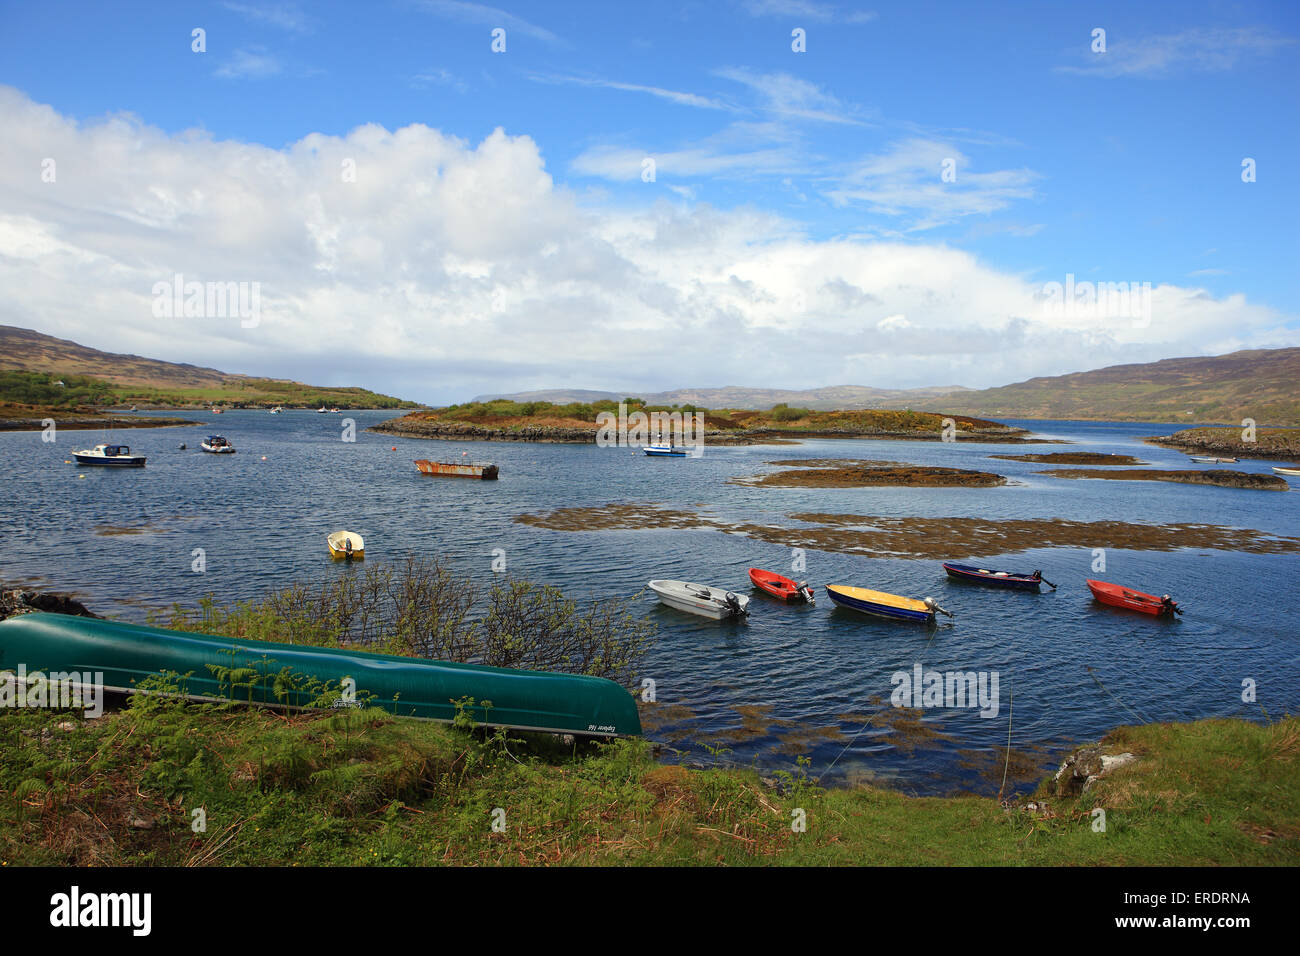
{"points": [[419, 264]]}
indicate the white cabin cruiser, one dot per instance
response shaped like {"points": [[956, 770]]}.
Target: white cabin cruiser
{"points": [[115, 455]]}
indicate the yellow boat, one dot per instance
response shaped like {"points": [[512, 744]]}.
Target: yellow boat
{"points": [[346, 544], [882, 604]]}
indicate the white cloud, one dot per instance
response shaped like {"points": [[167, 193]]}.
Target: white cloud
{"points": [[907, 180], [249, 63], [488, 16], [674, 96], [1195, 50], [286, 16], [438, 76], [449, 269], [793, 97], [806, 9]]}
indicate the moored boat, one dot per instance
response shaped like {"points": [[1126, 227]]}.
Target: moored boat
{"points": [[780, 586], [1116, 595], [716, 603], [118, 456], [1293, 472], [1210, 460], [277, 410], [665, 451], [346, 544], [1003, 579], [125, 654], [458, 469], [217, 445], [882, 604]]}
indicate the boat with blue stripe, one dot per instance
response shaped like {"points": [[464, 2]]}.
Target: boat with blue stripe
{"points": [[1000, 579], [882, 604]]}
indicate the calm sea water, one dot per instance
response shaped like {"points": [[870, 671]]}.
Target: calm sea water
{"points": [[792, 681]]}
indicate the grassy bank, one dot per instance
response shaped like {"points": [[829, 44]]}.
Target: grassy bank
{"points": [[360, 787], [27, 393]]}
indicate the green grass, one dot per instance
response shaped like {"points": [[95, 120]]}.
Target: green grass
{"points": [[364, 788], [79, 391]]}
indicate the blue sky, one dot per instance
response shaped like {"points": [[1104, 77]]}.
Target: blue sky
{"points": [[1115, 166]]}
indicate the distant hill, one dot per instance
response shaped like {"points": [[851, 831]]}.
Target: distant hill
{"points": [[146, 381], [835, 397], [1263, 384]]}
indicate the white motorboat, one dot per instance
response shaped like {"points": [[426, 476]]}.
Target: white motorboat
{"points": [[716, 603], [115, 455], [217, 445], [1293, 472], [664, 451]]}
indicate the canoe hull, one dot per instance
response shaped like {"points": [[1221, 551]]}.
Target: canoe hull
{"points": [[404, 686], [879, 606], [997, 579], [1115, 595]]}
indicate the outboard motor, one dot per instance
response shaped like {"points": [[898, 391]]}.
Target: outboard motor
{"points": [[807, 592], [933, 605], [733, 603]]}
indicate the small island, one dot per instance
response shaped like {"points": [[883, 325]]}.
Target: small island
{"points": [[1220, 479], [1229, 442], [861, 473], [576, 422], [1074, 458]]}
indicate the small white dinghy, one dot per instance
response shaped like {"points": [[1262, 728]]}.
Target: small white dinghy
{"points": [[716, 603], [346, 544]]}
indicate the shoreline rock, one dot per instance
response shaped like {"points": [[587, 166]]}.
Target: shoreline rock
{"points": [[1085, 767], [91, 423], [15, 601], [1270, 443]]}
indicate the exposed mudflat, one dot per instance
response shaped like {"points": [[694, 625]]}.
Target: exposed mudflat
{"points": [[1074, 458], [862, 473], [1219, 479], [932, 538]]}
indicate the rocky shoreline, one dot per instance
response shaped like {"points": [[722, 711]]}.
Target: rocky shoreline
{"points": [[15, 601], [1271, 443], [90, 423]]}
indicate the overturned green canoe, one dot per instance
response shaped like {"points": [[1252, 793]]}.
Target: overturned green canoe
{"points": [[262, 672]]}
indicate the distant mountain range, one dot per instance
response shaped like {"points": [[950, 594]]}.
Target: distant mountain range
{"points": [[834, 397], [1263, 384]]}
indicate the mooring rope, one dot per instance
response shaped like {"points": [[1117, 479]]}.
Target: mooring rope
{"points": [[1093, 674], [1011, 709]]}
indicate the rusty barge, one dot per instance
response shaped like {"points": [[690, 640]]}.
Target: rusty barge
{"points": [[458, 469]]}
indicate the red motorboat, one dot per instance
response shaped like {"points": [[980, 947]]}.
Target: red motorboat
{"points": [[780, 586], [1116, 595]]}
